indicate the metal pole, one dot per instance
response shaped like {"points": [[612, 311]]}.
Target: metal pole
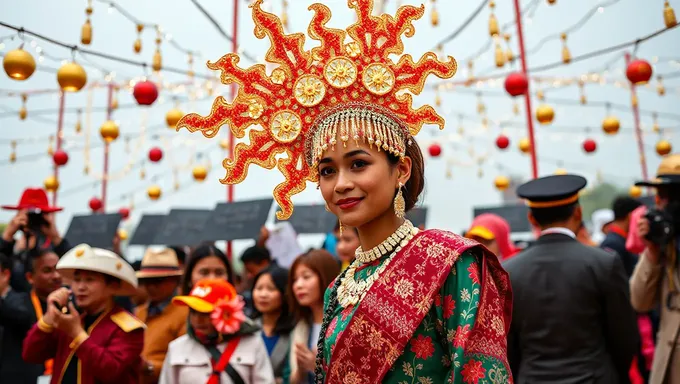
{"points": [[638, 129], [527, 95], [105, 173], [60, 125], [234, 48]]}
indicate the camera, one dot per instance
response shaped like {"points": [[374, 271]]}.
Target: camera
{"points": [[36, 221], [661, 227]]}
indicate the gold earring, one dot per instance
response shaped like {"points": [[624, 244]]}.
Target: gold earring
{"points": [[342, 227], [399, 203]]}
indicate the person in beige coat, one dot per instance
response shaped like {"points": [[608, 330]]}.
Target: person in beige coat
{"points": [[221, 346], [655, 280]]}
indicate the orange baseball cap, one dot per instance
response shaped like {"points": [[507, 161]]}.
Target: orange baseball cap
{"points": [[206, 294]]}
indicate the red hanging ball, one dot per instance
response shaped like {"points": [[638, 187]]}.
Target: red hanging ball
{"points": [[435, 150], [60, 157], [124, 213], [639, 72], [155, 154], [589, 145], [95, 204], [516, 84], [502, 142], [145, 92]]}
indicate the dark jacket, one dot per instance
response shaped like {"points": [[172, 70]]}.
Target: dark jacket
{"points": [[17, 316], [617, 243], [18, 278], [572, 320]]}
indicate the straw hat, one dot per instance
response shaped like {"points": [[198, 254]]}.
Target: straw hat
{"points": [[161, 263], [85, 258], [668, 173]]}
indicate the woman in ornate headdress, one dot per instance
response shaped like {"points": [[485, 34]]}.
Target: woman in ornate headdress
{"points": [[415, 306]]}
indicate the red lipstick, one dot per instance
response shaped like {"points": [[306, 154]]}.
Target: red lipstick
{"points": [[348, 203]]}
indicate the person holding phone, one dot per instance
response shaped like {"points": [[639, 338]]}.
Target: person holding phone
{"points": [[90, 338]]}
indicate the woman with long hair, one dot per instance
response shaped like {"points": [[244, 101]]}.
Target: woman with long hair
{"points": [[206, 262], [273, 314], [415, 306]]}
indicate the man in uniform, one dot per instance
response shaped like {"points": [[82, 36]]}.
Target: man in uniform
{"points": [[572, 321]]}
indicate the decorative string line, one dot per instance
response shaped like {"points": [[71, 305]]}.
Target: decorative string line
{"points": [[107, 56], [464, 25]]}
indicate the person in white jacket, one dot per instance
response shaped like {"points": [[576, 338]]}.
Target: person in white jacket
{"points": [[221, 346]]}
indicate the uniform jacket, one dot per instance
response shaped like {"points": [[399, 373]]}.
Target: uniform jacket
{"points": [[188, 362], [110, 355], [170, 324], [617, 243], [572, 321], [649, 287]]}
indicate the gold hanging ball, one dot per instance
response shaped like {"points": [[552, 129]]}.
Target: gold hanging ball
{"points": [[551, 2], [109, 131], [525, 145], [18, 64], [499, 56], [655, 127], [114, 103], [86, 33], [122, 234], [663, 147], [157, 62], [611, 125], [154, 192], [51, 184], [199, 172], [540, 95], [635, 191], [560, 171], [224, 144], [545, 114], [22, 113], [583, 99], [137, 47], [172, 117], [434, 17], [501, 182], [79, 127], [493, 25], [12, 157], [71, 77], [669, 15]]}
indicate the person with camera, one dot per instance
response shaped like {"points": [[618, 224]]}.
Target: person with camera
{"points": [[655, 280], [35, 219]]}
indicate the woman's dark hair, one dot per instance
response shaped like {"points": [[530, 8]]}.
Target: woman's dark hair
{"points": [[199, 253], [415, 184], [279, 276], [324, 265]]}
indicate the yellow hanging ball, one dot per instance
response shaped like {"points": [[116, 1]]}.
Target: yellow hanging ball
{"points": [[109, 131], [122, 234], [154, 192], [51, 184], [635, 191], [525, 145], [501, 182], [199, 172], [172, 117], [224, 144], [561, 171], [545, 114], [611, 125], [71, 77], [18, 64], [663, 147]]}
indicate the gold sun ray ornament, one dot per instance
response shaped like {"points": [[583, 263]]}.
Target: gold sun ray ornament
{"points": [[313, 98]]}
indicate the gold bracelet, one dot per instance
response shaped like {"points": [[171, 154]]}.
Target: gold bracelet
{"points": [[82, 336], [43, 326]]}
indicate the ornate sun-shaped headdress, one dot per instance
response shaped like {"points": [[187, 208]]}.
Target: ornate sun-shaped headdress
{"points": [[346, 88]]}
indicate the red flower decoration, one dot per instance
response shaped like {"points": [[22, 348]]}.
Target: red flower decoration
{"points": [[438, 300], [228, 315], [346, 312], [461, 336], [331, 327], [473, 371], [449, 306], [473, 273], [422, 346]]}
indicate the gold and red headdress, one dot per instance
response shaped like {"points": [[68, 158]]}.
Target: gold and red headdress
{"points": [[346, 88]]}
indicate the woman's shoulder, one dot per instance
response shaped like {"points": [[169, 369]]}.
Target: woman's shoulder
{"points": [[447, 239]]}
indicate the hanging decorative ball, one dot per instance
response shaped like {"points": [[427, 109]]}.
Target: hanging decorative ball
{"points": [[501, 182], [502, 141], [551, 2], [109, 131], [18, 64], [660, 89], [199, 172], [545, 114], [434, 17], [525, 145], [51, 184], [122, 234], [561, 171], [639, 72], [611, 125], [86, 33], [114, 103], [224, 144], [635, 191], [435, 150], [155, 154], [71, 77], [669, 15], [124, 213], [516, 84], [154, 192], [145, 92], [663, 147], [589, 146], [172, 117], [60, 158], [12, 157], [23, 113], [95, 204], [566, 54]]}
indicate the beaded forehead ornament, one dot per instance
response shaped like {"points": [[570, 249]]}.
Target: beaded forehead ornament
{"points": [[346, 88]]}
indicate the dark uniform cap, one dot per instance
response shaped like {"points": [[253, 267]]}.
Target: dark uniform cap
{"points": [[668, 173], [552, 191]]}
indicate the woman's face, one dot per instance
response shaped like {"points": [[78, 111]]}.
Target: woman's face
{"points": [[266, 297], [306, 286], [359, 183], [201, 323], [210, 267], [348, 243]]}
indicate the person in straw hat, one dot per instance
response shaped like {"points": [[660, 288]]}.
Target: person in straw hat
{"points": [[159, 274], [655, 279], [90, 338]]}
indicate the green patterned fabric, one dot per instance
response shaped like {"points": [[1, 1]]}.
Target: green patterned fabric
{"points": [[435, 354]]}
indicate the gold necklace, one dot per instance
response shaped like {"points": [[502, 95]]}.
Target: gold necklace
{"points": [[350, 292], [386, 246]]}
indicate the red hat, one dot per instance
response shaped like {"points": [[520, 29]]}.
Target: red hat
{"points": [[206, 294], [33, 198]]}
